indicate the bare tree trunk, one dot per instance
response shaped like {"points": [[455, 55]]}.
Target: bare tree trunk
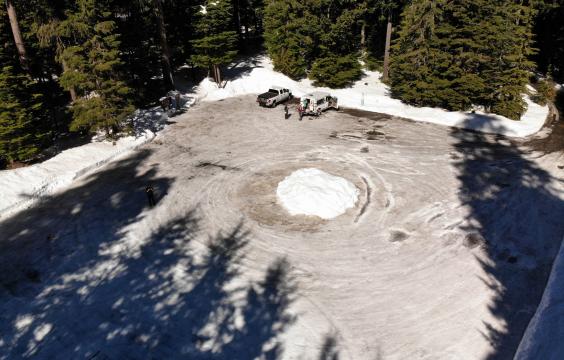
{"points": [[237, 17], [18, 39], [165, 51], [386, 74], [72, 91], [217, 74], [363, 36]]}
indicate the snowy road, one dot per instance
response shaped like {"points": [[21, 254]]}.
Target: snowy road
{"points": [[445, 255]]}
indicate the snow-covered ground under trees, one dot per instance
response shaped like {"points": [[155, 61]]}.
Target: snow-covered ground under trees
{"points": [[255, 75], [23, 187], [444, 255]]}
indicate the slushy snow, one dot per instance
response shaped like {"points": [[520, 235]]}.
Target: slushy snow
{"points": [[314, 192]]}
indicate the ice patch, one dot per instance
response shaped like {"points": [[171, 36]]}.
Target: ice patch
{"points": [[314, 192]]}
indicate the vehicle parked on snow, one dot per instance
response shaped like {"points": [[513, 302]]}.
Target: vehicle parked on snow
{"points": [[317, 102], [274, 96]]}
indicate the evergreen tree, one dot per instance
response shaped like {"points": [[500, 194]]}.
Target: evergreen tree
{"points": [[549, 36], [20, 105], [91, 68], [455, 54], [218, 43], [335, 71], [301, 33], [292, 35], [140, 51], [166, 57]]}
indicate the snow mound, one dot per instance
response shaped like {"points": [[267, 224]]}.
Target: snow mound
{"points": [[314, 192]]}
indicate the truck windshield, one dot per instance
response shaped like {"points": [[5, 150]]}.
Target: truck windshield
{"points": [[272, 90]]}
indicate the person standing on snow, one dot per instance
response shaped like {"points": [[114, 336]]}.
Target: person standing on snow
{"points": [[286, 115]]}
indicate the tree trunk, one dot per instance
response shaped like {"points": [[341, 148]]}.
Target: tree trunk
{"points": [[217, 75], [72, 91], [363, 36], [165, 51], [386, 74], [18, 39], [237, 18]]}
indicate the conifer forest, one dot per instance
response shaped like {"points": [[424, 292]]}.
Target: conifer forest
{"points": [[84, 65]]}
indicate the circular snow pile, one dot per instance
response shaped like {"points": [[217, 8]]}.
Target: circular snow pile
{"points": [[314, 192]]}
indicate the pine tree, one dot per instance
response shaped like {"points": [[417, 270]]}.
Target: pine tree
{"points": [[91, 68], [549, 31], [292, 35], [166, 57], [20, 105], [299, 34], [416, 54], [456, 54], [217, 45], [335, 71]]}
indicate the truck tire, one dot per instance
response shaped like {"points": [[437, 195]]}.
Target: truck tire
{"points": [[318, 112], [274, 104]]}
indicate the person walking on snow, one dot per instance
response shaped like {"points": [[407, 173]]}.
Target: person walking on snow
{"points": [[150, 195], [286, 115]]}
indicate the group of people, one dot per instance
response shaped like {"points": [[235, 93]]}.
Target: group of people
{"points": [[287, 113]]}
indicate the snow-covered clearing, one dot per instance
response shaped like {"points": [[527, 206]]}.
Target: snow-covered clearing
{"points": [[444, 256], [442, 251], [20, 188], [256, 75]]}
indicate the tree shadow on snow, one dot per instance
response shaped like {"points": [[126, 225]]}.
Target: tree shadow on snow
{"points": [[515, 215], [99, 296], [79, 222]]}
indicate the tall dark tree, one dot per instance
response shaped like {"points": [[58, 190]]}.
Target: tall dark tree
{"points": [[89, 52], [21, 109], [165, 51], [456, 54], [217, 44], [549, 38]]}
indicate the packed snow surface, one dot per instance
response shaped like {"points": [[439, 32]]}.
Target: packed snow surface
{"points": [[218, 269], [314, 192]]}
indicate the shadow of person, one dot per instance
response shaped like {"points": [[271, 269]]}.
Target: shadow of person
{"points": [[515, 207]]}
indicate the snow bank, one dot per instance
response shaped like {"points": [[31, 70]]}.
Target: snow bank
{"points": [[371, 94], [20, 188], [23, 186], [314, 192], [544, 336]]}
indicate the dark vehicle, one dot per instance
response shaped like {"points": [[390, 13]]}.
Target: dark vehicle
{"points": [[274, 96]]}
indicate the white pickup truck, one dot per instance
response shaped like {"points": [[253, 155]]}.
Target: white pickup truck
{"points": [[274, 96]]}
